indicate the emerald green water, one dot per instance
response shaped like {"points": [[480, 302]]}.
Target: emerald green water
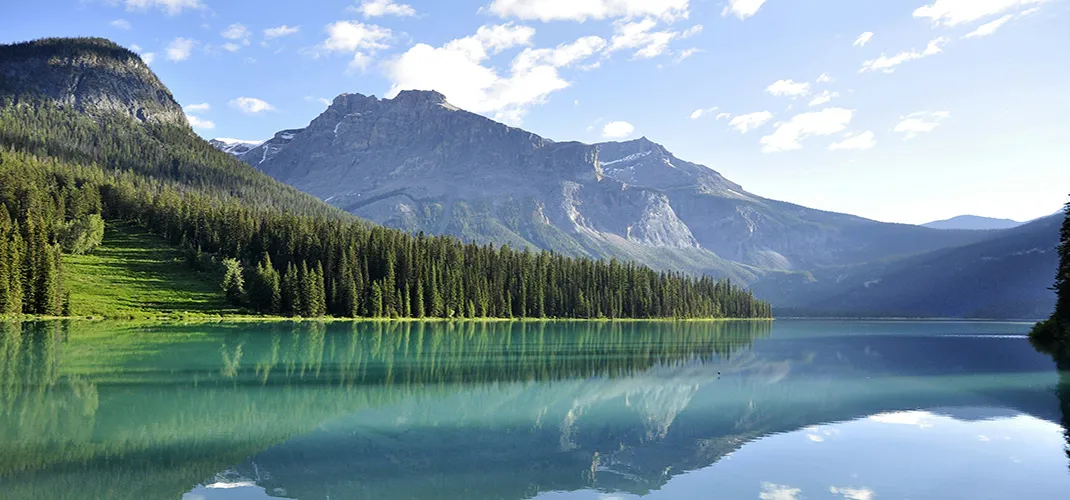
{"points": [[770, 411]]}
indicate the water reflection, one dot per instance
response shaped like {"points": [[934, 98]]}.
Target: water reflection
{"points": [[489, 410]]}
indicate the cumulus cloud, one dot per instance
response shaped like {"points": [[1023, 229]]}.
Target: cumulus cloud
{"points": [[617, 130], [251, 105], [179, 49], [572, 10], [698, 113], [376, 8], [459, 70], [825, 78], [280, 31], [721, 116], [172, 7], [989, 28], [855, 142], [863, 39], [748, 122], [920, 419], [197, 108], [122, 24], [823, 98], [684, 54], [352, 36], [887, 64], [919, 123], [956, 12], [788, 88], [788, 135], [201, 123], [772, 491], [236, 31], [742, 8]]}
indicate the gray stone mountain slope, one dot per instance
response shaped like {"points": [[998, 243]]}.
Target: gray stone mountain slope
{"points": [[93, 75], [417, 163]]}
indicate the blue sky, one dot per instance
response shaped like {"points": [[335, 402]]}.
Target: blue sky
{"points": [[897, 110]]}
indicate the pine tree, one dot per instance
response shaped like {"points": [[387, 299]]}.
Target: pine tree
{"points": [[375, 301], [233, 282], [1062, 278], [318, 301], [291, 291], [306, 291], [265, 289]]}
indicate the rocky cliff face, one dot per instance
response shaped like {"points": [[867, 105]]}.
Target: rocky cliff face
{"points": [[418, 163], [92, 75]]}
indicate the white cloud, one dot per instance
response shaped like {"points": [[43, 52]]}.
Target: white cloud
{"points": [[815, 438], [742, 8], [122, 24], [148, 57], [251, 105], [360, 61], [582, 10], [352, 36], [956, 12], [863, 39], [231, 47], [179, 49], [684, 54], [723, 116], [853, 493], [825, 78], [772, 491], [823, 98], [788, 88], [888, 64], [989, 28], [855, 142], [172, 7], [280, 31], [695, 115], [638, 35], [236, 31], [458, 70], [376, 8], [617, 130], [919, 123], [789, 135], [197, 122], [748, 122], [197, 108]]}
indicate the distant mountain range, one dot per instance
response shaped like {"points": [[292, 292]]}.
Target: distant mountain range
{"points": [[417, 163], [973, 222]]}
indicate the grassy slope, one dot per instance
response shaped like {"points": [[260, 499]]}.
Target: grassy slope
{"points": [[136, 274]]}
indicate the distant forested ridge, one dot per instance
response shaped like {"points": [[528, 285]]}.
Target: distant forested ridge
{"points": [[1054, 333], [63, 168]]}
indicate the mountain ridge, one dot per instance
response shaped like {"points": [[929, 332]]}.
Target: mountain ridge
{"points": [[409, 162], [973, 222]]}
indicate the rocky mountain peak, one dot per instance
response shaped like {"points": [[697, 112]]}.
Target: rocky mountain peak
{"points": [[92, 75]]}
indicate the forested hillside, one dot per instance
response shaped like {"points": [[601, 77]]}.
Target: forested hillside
{"points": [[1054, 333], [63, 169]]}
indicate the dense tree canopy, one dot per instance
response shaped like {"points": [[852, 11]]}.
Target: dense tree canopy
{"points": [[288, 252]]}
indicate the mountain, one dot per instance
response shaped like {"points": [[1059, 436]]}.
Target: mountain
{"points": [[236, 147], [90, 139], [1006, 276], [91, 75], [973, 222], [417, 163]]}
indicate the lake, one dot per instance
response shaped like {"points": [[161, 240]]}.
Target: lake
{"points": [[778, 410]]}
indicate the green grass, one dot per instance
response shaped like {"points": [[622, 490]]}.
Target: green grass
{"points": [[135, 274]]}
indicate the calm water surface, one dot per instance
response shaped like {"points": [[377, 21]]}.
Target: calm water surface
{"points": [[769, 411]]}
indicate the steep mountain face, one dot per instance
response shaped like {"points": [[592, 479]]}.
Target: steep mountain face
{"points": [[234, 147], [417, 163], [973, 222], [91, 75]]}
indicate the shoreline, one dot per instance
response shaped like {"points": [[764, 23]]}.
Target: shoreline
{"points": [[329, 319]]}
